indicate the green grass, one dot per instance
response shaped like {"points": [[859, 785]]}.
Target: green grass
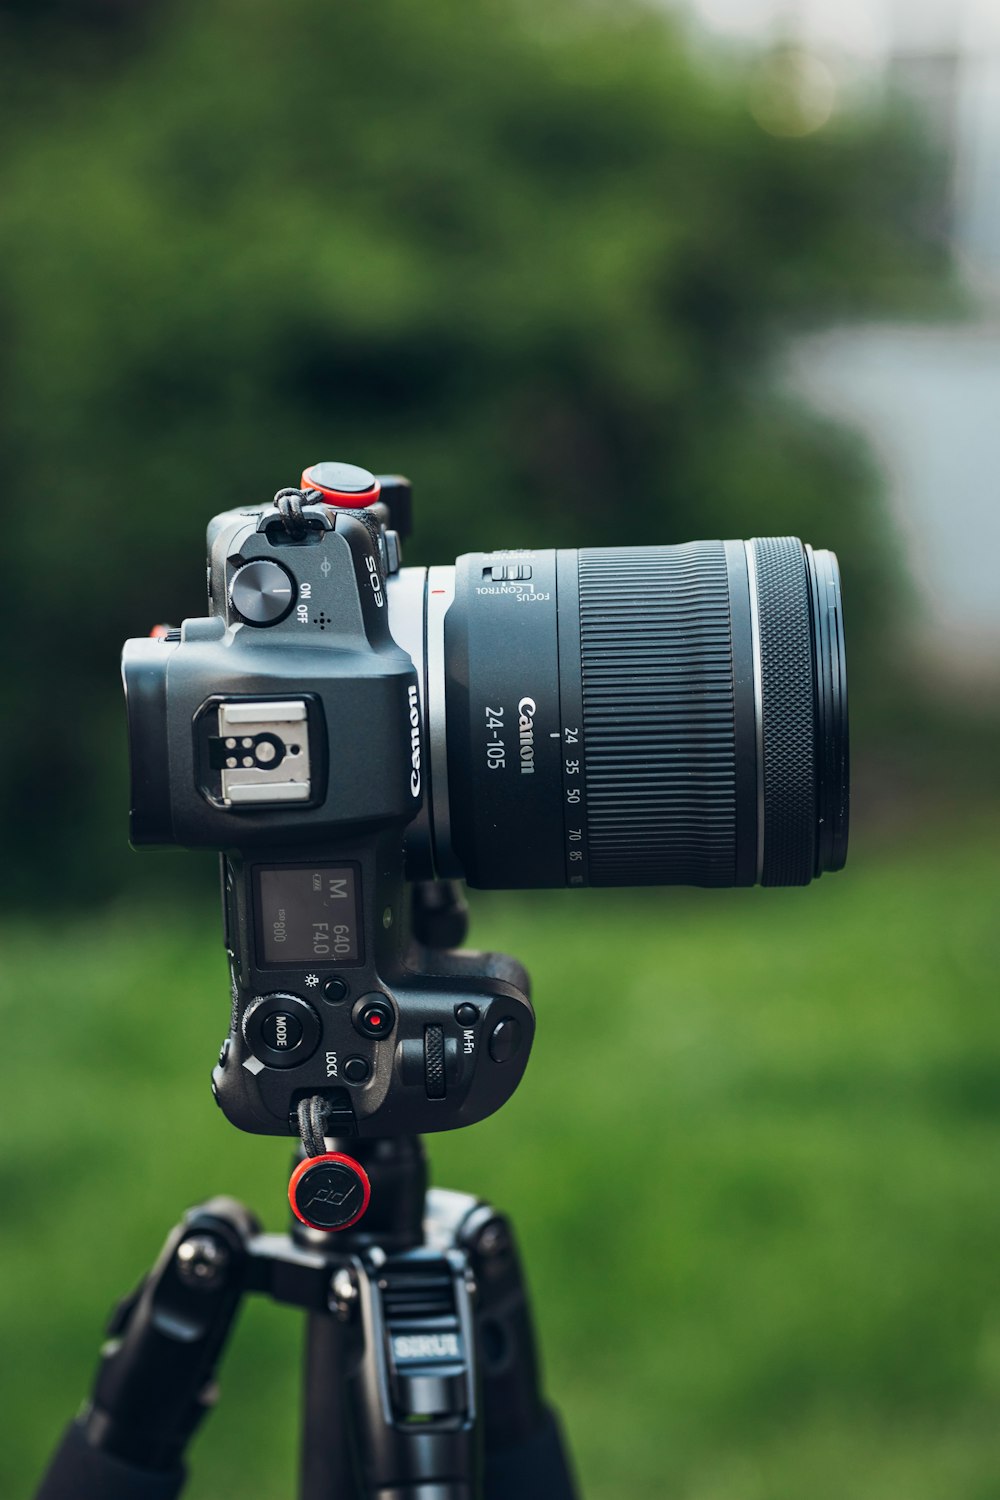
{"points": [[755, 1167]]}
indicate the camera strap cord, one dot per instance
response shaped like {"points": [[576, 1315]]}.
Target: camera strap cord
{"points": [[312, 1114], [328, 1189], [289, 503]]}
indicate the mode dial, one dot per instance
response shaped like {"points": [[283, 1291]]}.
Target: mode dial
{"points": [[282, 1030]]}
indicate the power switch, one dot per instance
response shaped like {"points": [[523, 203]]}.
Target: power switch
{"points": [[262, 592]]}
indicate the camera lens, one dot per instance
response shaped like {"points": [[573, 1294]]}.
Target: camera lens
{"points": [[632, 715]]}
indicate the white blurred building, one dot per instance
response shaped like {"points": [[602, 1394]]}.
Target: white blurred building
{"points": [[928, 397], [944, 53]]}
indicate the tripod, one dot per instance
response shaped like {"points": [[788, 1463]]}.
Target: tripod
{"points": [[421, 1378], [421, 1373]]}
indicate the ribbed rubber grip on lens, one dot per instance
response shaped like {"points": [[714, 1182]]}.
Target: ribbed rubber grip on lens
{"points": [[788, 689], [658, 715]]}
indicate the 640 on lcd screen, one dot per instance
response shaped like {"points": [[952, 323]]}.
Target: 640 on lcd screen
{"points": [[307, 914]]}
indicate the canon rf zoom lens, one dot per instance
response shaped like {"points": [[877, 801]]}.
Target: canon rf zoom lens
{"points": [[631, 715]]}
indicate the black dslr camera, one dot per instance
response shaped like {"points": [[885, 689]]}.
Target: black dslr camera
{"points": [[345, 732]]}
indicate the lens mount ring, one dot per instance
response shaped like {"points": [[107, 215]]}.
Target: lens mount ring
{"points": [[406, 593], [440, 597]]}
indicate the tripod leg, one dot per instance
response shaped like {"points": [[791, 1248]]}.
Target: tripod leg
{"points": [[526, 1458], [326, 1466], [154, 1383]]}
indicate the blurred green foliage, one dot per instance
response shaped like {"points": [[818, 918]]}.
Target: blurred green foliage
{"points": [[533, 254]]}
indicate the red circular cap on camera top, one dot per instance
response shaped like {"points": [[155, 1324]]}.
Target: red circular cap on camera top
{"points": [[342, 484], [329, 1192]]}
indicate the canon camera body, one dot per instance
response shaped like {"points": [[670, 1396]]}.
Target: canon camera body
{"points": [[343, 731]]}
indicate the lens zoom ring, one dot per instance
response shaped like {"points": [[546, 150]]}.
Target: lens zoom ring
{"points": [[657, 673], [787, 710]]}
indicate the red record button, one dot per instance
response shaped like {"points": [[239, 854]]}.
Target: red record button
{"points": [[342, 484], [374, 1016]]}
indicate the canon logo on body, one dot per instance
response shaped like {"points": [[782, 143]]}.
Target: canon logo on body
{"points": [[411, 693]]}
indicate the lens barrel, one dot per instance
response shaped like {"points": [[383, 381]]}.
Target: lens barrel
{"points": [[635, 716]]}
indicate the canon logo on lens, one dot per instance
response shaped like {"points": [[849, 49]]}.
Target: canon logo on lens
{"points": [[526, 733]]}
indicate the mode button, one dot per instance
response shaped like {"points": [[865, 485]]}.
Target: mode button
{"points": [[281, 1030]]}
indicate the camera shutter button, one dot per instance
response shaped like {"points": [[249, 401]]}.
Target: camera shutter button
{"points": [[262, 592]]}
